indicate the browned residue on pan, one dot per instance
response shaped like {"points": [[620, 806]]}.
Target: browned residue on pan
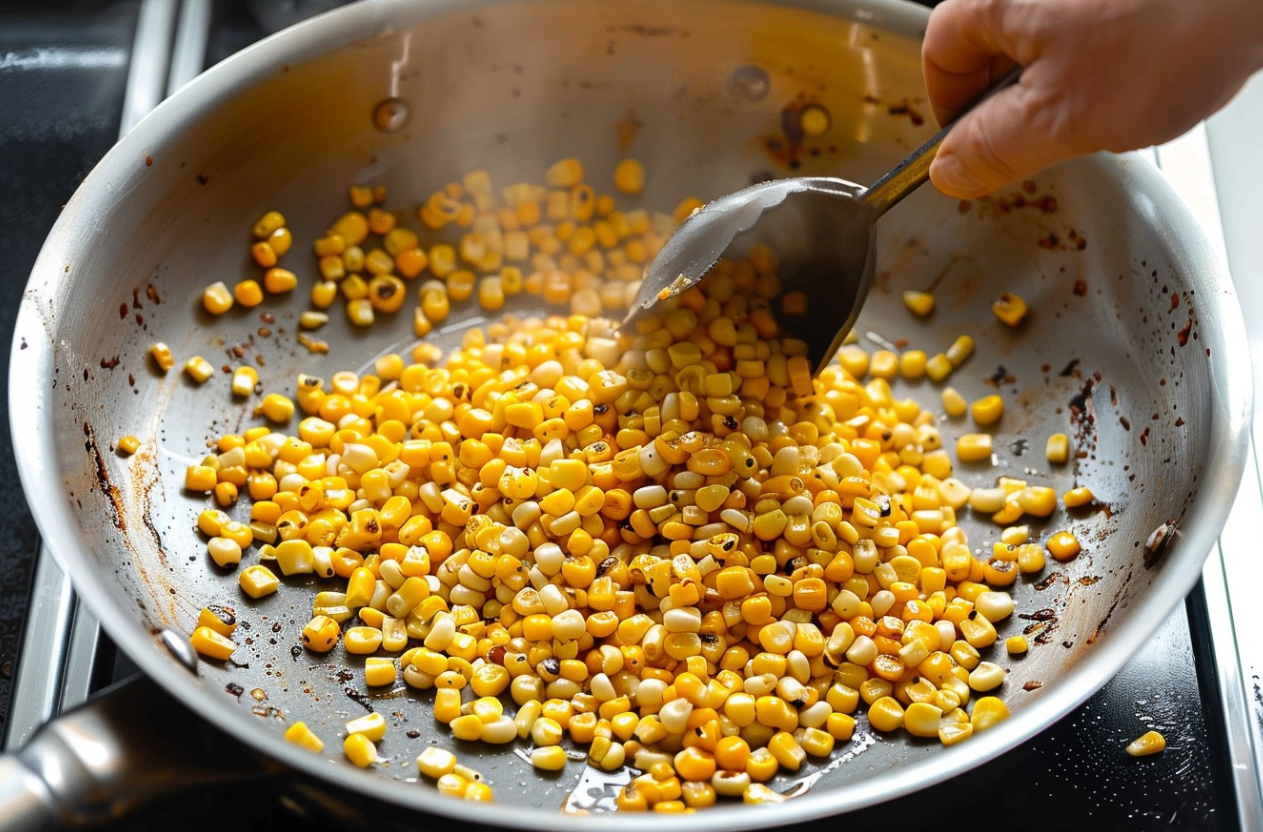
{"points": [[142, 482]]}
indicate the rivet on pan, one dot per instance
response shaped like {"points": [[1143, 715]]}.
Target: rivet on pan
{"points": [[392, 115], [750, 83], [178, 646]]}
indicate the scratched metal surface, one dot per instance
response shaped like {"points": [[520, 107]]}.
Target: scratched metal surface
{"points": [[1102, 309]]}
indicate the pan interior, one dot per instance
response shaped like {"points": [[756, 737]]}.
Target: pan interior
{"points": [[1124, 348]]}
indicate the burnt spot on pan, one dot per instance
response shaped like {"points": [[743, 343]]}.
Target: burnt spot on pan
{"points": [[1119, 595], [113, 496]]}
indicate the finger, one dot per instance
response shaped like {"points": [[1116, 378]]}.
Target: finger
{"points": [[1003, 140], [967, 47]]}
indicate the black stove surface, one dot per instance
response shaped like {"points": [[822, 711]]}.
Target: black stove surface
{"points": [[63, 69]]}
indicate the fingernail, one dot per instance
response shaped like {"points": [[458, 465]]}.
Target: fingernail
{"points": [[951, 177]]}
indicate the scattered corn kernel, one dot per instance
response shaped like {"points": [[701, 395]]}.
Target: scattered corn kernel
{"points": [[1150, 742]]}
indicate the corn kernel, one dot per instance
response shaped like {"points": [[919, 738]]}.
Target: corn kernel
{"points": [[1151, 742]]}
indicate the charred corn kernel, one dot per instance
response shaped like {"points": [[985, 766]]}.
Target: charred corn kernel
{"points": [[629, 176], [198, 369], [217, 299], [221, 619], [212, 644], [372, 726], [987, 410], [379, 672], [258, 581], [920, 304], [299, 734], [320, 634], [278, 281], [1078, 497], [1057, 449], [127, 445], [162, 356], [973, 447], [1150, 742], [360, 750], [244, 379], [988, 711], [1064, 546], [1009, 308]]}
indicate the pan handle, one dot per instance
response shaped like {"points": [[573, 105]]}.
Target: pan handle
{"points": [[126, 746]]}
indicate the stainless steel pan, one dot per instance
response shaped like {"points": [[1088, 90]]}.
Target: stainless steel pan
{"points": [[1135, 345]]}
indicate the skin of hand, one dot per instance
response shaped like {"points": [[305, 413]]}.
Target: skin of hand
{"points": [[1099, 75]]}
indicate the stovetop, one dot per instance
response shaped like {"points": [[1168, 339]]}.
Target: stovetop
{"points": [[73, 74]]}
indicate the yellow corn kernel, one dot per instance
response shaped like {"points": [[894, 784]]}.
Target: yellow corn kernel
{"points": [[1064, 546], [1078, 497], [362, 640], [629, 176], [951, 733], [216, 299], [267, 224], [987, 712], [1057, 449], [921, 719], [920, 304], [276, 408], [278, 281], [244, 379], [162, 356], [258, 581], [372, 726], [127, 445], [360, 750], [987, 410], [1015, 645], [212, 644], [1151, 742], [264, 254], [200, 478], [954, 403], [960, 350], [886, 714], [248, 293], [1009, 308], [198, 369], [938, 368], [565, 173], [300, 734], [434, 762], [973, 447]]}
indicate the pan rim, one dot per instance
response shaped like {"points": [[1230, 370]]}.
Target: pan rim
{"points": [[31, 365]]}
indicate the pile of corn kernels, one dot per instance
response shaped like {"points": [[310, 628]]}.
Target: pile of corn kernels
{"points": [[672, 547]]}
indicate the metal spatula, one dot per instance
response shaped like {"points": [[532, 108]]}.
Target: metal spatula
{"points": [[821, 229]]}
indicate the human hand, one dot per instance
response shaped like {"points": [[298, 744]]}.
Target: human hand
{"points": [[1099, 75]]}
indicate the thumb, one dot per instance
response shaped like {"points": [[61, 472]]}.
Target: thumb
{"points": [[995, 144]]}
